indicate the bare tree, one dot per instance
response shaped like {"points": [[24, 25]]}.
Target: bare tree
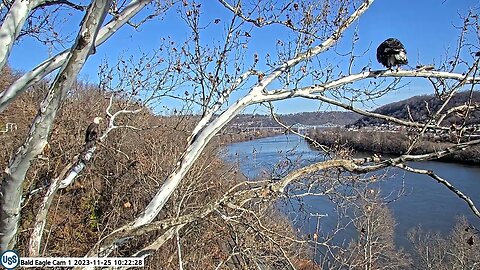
{"points": [[11, 184], [374, 248], [219, 80], [455, 251], [70, 62]]}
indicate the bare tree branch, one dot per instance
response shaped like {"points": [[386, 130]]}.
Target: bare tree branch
{"points": [[12, 25], [444, 182], [40, 130], [45, 68], [63, 2]]}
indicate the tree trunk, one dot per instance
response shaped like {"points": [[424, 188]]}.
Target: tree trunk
{"points": [[11, 26], [12, 185]]}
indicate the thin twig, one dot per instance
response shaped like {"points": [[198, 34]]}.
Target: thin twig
{"points": [[444, 182]]}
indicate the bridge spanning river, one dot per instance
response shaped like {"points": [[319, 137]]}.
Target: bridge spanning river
{"points": [[300, 128]]}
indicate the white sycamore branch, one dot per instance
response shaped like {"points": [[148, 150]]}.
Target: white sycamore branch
{"points": [[444, 182], [236, 197], [199, 142], [11, 191], [68, 175], [205, 131], [45, 68], [13, 24], [255, 96]]}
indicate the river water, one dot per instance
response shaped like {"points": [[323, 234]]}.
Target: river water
{"points": [[424, 201]]}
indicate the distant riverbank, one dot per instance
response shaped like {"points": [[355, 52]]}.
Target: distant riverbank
{"points": [[395, 143], [234, 137], [261, 157]]}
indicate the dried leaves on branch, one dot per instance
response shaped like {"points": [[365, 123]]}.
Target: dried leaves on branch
{"points": [[154, 175]]}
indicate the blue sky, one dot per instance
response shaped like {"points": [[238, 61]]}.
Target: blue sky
{"points": [[425, 27]]}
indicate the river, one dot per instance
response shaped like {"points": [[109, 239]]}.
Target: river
{"points": [[424, 202]]}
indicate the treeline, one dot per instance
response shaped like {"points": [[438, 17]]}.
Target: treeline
{"points": [[420, 108], [126, 171], [305, 118], [118, 183], [395, 143]]}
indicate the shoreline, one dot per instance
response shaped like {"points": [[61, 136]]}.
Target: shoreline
{"points": [[391, 144]]}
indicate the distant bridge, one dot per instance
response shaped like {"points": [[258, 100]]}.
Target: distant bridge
{"points": [[300, 128]]}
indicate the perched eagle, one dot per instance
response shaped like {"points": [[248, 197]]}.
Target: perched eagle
{"points": [[392, 53], [92, 132], [470, 241]]}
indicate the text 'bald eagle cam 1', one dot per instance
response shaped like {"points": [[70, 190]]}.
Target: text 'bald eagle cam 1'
{"points": [[392, 53]]}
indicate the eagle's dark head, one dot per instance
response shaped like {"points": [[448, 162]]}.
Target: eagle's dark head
{"points": [[391, 53]]}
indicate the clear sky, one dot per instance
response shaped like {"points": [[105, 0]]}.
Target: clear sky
{"points": [[426, 28]]}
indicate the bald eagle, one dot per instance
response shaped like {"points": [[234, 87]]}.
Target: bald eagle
{"points": [[92, 132], [392, 53], [470, 241]]}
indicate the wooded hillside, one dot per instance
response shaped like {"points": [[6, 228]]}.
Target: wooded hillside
{"points": [[420, 108], [120, 180], [306, 118]]}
